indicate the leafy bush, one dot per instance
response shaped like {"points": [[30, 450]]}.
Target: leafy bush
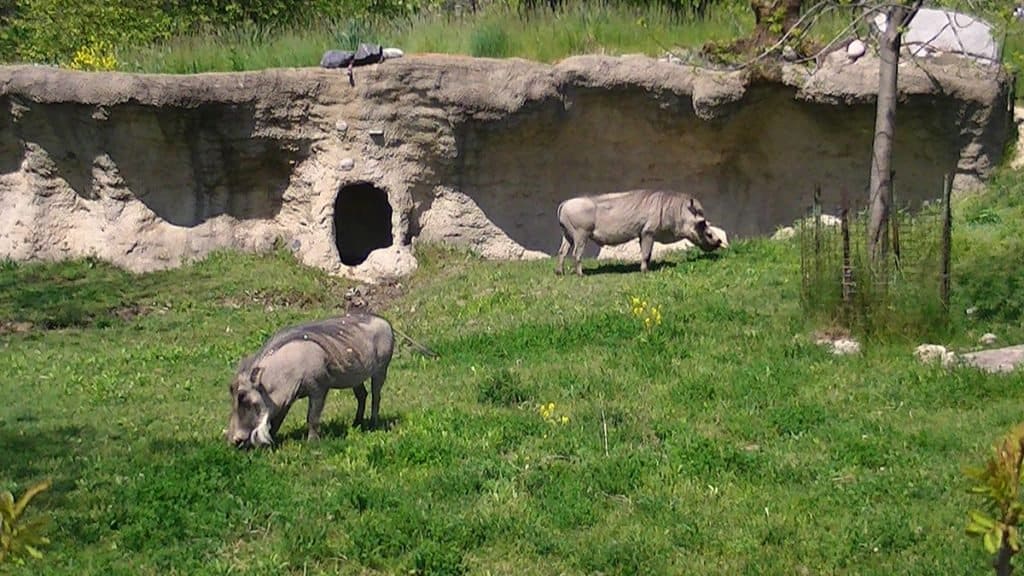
{"points": [[998, 483], [18, 537]]}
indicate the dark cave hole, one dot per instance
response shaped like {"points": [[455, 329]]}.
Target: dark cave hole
{"points": [[362, 222]]}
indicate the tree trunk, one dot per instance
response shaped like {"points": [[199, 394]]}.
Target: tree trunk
{"points": [[1002, 560], [773, 18], [885, 128]]}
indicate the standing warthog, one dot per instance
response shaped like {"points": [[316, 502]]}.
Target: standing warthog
{"points": [[306, 361], [618, 217]]}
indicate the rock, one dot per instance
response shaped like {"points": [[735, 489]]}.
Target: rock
{"points": [[784, 233], [845, 346], [460, 163], [999, 360], [928, 353], [391, 53], [971, 311], [341, 126], [789, 54], [987, 339], [829, 220], [839, 345], [630, 251], [1017, 161], [935, 30], [855, 49], [386, 264]]}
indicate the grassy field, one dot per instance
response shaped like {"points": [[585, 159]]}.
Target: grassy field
{"points": [[720, 441]]}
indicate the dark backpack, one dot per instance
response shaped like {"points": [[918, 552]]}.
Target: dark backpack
{"points": [[365, 54]]}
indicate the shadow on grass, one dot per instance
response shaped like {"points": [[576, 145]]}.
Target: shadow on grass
{"points": [[336, 429], [626, 267], [31, 454], [618, 267]]}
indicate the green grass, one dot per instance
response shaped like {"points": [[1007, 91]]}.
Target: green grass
{"points": [[723, 441], [496, 32]]}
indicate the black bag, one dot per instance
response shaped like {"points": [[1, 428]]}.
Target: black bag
{"points": [[365, 54]]}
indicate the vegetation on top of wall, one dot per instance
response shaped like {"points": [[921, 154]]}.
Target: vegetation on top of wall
{"points": [[185, 36]]}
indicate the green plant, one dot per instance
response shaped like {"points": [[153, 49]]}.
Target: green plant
{"points": [[19, 537], [998, 483], [503, 388]]}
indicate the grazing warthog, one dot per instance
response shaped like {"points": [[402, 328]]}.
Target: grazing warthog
{"points": [[618, 217], [306, 361]]}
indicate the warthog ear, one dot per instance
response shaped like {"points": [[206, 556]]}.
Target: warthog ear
{"points": [[694, 209], [254, 376]]}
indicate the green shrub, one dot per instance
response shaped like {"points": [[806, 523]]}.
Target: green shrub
{"points": [[18, 537]]}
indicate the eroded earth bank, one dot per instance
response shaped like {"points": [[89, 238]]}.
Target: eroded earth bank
{"points": [[147, 171]]}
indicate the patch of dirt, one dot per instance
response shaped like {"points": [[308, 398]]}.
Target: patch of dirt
{"points": [[371, 297], [14, 327], [272, 299], [130, 312]]}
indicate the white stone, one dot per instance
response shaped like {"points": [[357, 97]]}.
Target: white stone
{"points": [[845, 346], [385, 264], [931, 353], [341, 126], [784, 233], [856, 49], [389, 53], [937, 30], [987, 339], [347, 164]]}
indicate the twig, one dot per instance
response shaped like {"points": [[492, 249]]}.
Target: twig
{"points": [[604, 429]]}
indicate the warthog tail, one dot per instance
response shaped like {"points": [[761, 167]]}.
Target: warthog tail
{"points": [[419, 347]]}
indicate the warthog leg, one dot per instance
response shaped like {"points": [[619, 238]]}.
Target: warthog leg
{"points": [[278, 419], [579, 243], [316, 407], [376, 384], [646, 245], [562, 251], [360, 392]]}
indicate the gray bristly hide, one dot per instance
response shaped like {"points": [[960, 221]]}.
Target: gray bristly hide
{"points": [[306, 361], [643, 215]]}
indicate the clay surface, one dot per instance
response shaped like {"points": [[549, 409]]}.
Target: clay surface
{"points": [[149, 171]]}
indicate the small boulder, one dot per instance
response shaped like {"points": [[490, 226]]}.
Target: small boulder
{"points": [[784, 233], [987, 339], [856, 49], [998, 360], [840, 346], [928, 353], [845, 346]]}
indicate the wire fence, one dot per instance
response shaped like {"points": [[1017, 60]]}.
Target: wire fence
{"points": [[905, 291]]}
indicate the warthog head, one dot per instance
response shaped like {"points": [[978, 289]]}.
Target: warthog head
{"points": [[251, 410], [694, 226]]}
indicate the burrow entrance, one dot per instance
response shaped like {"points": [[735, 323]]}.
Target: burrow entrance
{"points": [[362, 222]]}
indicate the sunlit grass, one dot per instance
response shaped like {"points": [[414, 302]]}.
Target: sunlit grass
{"points": [[559, 431]]}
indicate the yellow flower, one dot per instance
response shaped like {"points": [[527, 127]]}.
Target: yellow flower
{"points": [[565, 419], [97, 55]]}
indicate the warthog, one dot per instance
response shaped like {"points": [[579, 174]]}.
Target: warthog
{"points": [[306, 361], [618, 217]]}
